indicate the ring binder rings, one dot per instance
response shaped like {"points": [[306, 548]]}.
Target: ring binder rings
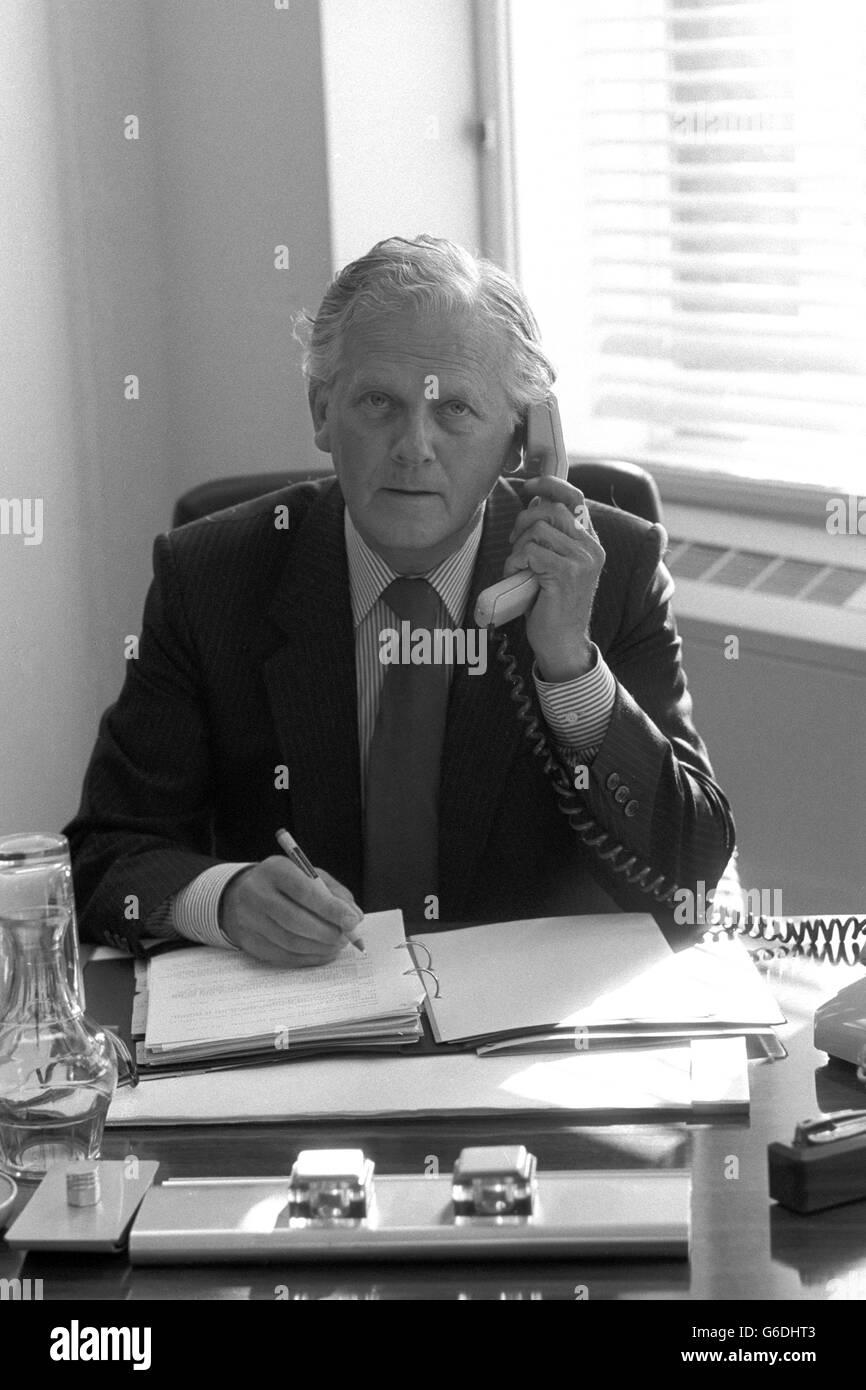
{"points": [[417, 969]]}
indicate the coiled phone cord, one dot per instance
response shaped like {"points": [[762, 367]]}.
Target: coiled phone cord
{"points": [[831, 939], [607, 850]]}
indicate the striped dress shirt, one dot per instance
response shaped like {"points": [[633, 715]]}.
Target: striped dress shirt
{"points": [[577, 712]]}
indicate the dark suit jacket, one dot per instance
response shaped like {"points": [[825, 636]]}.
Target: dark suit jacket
{"points": [[246, 663]]}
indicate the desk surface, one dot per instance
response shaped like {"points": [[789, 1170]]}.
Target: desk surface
{"points": [[744, 1247]]}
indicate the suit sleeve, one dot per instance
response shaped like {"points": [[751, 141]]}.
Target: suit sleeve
{"points": [[143, 829], [651, 783]]}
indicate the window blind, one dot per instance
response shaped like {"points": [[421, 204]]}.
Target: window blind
{"points": [[720, 273]]}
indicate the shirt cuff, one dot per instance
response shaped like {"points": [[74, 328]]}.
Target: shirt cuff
{"points": [[194, 911], [577, 712]]}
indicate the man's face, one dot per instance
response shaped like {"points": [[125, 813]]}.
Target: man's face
{"points": [[419, 428]]}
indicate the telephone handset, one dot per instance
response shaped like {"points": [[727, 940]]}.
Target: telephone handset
{"points": [[509, 598], [543, 453]]}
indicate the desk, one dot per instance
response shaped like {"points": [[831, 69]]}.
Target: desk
{"points": [[744, 1247]]}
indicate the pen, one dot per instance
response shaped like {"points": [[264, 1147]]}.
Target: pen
{"points": [[293, 851]]}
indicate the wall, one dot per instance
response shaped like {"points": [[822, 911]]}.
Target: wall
{"points": [[154, 257], [402, 122], [785, 736], [241, 138], [79, 301]]}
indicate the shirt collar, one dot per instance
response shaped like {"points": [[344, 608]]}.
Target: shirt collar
{"points": [[369, 575]]}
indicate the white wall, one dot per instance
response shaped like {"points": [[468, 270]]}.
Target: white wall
{"points": [[77, 300], [401, 120], [152, 257], [241, 140]]}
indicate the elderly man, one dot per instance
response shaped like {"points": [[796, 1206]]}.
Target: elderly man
{"points": [[260, 698]]}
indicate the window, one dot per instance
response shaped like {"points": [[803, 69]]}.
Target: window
{"points": [[690, 189]]}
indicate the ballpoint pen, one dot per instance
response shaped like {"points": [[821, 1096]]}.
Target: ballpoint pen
{"points": [[293, 851]]}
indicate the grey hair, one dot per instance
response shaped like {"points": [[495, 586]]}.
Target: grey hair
{"points": [[435, 274]]}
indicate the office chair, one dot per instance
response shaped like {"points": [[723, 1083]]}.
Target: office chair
{"points": [[615, 482]]}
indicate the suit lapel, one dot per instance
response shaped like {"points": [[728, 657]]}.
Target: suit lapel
{"points": [[311, 687], [483, 735]]}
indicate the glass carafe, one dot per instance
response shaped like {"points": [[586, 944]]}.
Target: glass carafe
{"points": [[35, 871], [57, 1069]]}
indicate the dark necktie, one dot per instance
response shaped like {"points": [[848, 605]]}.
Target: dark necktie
{"points": [[401, 809]]}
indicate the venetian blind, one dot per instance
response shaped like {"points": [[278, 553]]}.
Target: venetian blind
{"points": [[719, 269]]}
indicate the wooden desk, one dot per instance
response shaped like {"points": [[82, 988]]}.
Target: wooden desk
{"points": [[744, 1247]]}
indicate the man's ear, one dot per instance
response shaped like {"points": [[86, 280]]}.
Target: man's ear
{"points": [[319, 410], [514, 450]]}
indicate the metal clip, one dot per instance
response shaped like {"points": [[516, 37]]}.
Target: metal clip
{"points": [[842, 1124], [417, 969], [331, 1184], [494, 1182]]}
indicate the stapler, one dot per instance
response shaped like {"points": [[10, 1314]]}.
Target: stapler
{"points": [[825, 1165]]}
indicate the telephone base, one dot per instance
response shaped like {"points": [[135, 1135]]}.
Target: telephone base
{"points": [[840, 1024]]}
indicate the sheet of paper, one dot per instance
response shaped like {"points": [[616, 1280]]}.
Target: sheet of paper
{"points": [[720, 1075], [138, 1022], [588, 971], [205, 993], [711, 981], [528, 973], [678, 1079]]}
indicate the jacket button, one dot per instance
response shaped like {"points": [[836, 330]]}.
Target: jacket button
{"points": [[631, 809], [622, 794], [613, 781]]}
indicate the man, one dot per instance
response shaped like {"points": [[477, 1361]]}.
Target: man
{"points": [[260, 699]]}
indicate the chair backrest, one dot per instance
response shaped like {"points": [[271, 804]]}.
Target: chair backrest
{"points": [[619, 484], [615, 482], [213, 496]]}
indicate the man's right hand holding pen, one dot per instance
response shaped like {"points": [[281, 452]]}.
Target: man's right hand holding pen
{"points": [[276, 912]]}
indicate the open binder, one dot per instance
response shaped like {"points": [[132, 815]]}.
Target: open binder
{"points": [[544, 985], [652, 1076]]}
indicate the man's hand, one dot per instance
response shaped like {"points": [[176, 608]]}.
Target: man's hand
{"points": [[274, 912], [555, 539]]}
